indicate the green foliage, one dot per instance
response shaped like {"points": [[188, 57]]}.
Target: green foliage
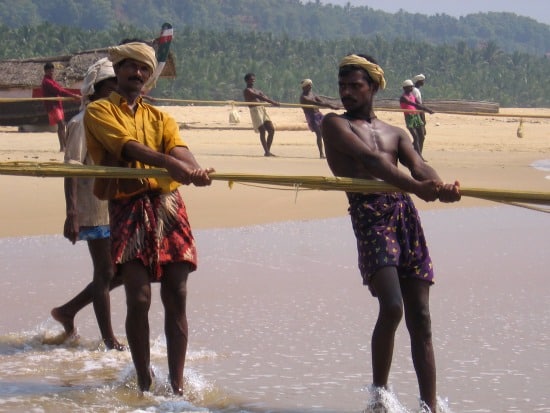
{"points": [[292, 18]]}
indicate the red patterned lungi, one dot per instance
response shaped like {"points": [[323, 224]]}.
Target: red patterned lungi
{"points": [[153, 228]]}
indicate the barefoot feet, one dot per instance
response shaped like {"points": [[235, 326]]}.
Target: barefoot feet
{"points": [[66, 320]]}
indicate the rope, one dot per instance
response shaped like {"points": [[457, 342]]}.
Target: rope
{"points": [[291, 105], [13, 100], [323, 183]]}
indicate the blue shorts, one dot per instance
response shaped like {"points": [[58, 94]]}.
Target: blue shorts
{"points": [[91, 233]]}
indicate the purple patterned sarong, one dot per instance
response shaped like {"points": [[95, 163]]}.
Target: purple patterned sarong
{"points": [[388, 232], [314, 120]]}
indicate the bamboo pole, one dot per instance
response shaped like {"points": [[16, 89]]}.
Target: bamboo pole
{"points": [[290, 105], [323, 183]]}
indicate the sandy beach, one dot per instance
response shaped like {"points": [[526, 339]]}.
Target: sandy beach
{"points": [[479, 151], [279, 321]]}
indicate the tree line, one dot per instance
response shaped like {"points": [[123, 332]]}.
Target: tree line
{"points": [[211, 64], [293, 18]]}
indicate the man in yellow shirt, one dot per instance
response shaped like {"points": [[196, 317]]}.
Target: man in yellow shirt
{"points": [[150, 232]]}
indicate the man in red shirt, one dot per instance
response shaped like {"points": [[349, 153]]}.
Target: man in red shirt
{"points": [[56, 116]]}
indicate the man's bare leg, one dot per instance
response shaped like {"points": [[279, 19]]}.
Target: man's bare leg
{"points": [[270, 135], [66, 313], [386, 285], [261, 129], [319, 137], [174, 297], [61, 135], [416, 294], [104, 281], [138, 302]]}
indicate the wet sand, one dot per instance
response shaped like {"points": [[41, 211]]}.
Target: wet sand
{"points": [[279, 320]]}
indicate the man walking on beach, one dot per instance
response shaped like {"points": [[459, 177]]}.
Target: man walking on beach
{"points": [[260, 119], [413, 118], [314, 117], [88, 217], [56, 116], [393, 256], [150, 233]]}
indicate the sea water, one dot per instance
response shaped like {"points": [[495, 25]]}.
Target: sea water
{"points": [[279, 322]]}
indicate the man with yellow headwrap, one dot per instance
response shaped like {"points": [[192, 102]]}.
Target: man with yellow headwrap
{"points": [[88, 217], [393, 256], [150, 232]]}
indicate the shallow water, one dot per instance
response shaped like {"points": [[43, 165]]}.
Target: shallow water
{"points": [[279, 322]]}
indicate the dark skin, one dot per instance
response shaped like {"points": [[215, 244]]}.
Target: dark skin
{"points": [[371, 149], [309, 98], [182, 167], [254, 95], [418, 133], [104, 278]]}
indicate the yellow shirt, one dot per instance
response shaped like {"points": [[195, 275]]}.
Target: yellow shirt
{"points": [[110, 124]]}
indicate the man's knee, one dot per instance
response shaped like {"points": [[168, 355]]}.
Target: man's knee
{"points": [[419, 323], [391, 311]]}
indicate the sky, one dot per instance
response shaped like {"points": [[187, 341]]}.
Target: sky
{"points": [[536, 9]]}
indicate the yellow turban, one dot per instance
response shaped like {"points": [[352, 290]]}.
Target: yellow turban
{"points": [[136, 50], [306, 82], [374, 71]]}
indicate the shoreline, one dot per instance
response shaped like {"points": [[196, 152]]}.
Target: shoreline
{"points": [[479, 151]]}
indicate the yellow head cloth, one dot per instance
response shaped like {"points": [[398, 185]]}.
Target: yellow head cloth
{"points": [[306, 82], [135, 50], [374, 71]]}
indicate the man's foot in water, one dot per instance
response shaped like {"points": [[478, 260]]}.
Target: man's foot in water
{"points": [[66, 320], [113, 344]]}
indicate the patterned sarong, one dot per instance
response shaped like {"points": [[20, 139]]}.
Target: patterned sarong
{"points": [[389, 233], [413, 121], [152, 228], [314, 120]]}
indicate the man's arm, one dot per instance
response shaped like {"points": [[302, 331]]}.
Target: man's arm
{"points": [[403, 99], [54, 88], [252, 94], [180, 163], [338, 134], [317, 101], [71, 226], [421, 171]]}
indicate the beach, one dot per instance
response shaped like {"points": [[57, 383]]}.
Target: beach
{"points": [[279, 321], [479, 151]]}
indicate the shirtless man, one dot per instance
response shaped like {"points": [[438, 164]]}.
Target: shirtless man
{"points": [[314, 117], [393, 257], [260, 119]]}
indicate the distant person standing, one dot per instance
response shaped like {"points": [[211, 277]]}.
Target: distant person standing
{"points": [[418, 81], [260, 119], [88, 217], [413, 120], [314, 117], [56, 116]]}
